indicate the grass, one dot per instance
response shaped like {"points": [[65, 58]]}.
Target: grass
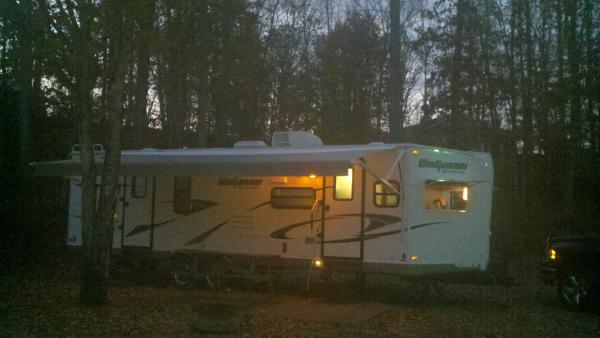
{"points": [[46, 305]]}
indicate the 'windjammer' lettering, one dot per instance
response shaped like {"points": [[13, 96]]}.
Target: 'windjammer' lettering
{"points": [[236, 182], [441, 165]]}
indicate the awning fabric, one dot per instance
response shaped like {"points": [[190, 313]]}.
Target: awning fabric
{"points": [[261, 161]]}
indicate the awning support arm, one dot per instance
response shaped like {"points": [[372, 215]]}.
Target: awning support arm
{"points": [[361, 162]]}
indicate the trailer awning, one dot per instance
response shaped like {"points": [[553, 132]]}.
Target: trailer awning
{"points": [[260, 161]]}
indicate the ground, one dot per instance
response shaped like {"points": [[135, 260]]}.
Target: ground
{"points": [[45, 304]]}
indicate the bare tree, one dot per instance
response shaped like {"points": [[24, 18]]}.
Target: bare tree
{"points": [[397, 73]]}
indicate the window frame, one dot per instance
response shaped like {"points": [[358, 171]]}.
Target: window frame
{"points": [[134, 191], [314, 194], [450, 202], [351, 188], [189, 195], [375, 194]]}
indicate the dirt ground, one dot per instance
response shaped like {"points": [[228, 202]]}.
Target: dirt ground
{"points": [[46, 305]]}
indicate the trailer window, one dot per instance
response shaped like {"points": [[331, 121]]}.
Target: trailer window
{"points": [[182, 189], [138, 187], [343, 187], [383, 196], [292, 198], [444, 195]]}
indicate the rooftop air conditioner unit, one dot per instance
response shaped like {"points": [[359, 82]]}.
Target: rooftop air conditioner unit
{"points": [[249, 144], [295, 139]]}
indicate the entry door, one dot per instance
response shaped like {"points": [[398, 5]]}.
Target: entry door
{"points": [[137, 215], [342, 228]]}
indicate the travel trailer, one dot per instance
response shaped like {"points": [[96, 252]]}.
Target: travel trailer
{"points": [[392, 208]]}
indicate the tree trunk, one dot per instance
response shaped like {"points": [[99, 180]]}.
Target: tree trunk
{"points": [[592, 80], [92, 289], [527, 130], [99, 224], [203, 68], [25, 76], [456, 79], [145, 22], [575, 93], [396, 81]]}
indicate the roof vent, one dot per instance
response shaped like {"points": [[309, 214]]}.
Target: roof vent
{"points": [[295, 139], [249, 144]]}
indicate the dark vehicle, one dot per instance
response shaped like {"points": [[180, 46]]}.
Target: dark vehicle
{"points": [[573, 264]]}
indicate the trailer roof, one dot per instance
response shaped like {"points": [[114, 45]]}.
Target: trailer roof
{"points": [[242, 161]]}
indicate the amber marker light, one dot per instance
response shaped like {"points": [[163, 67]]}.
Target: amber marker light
{"points": [[414, 258], [318, 263], [415, 152], [552, 254], [312, 176]]}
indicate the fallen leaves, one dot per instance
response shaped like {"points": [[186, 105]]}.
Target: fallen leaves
{"points": [[36, 306]]}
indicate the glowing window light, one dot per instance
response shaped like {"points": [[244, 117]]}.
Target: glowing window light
{"points": [[343, 186], [465, 194]]}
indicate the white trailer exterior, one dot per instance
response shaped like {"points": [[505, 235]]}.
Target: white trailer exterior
{"points": [[389, 207]]}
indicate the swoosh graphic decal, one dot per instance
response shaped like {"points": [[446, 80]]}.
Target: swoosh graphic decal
{"points": [[376, 221], [366, 237], [196, 205], [282, 232], [200, 238], [260, 205], [427, 224], [146, 227]]}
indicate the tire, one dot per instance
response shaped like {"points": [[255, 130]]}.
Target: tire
{"points": [[574, 290], [180, 270]]}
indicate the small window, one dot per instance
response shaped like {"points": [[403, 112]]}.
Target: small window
{"points": [[138, 187], [342, 187], [383, 196], [293, 198], [445, 195], [182, 189]]}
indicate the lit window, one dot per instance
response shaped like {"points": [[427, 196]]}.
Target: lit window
{"points": [[383, 196], [138, 187], [293, 198], [182, 189], [447, 195], [342, 187]]}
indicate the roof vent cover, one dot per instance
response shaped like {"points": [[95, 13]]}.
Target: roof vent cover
{"points": [[295, 139]]}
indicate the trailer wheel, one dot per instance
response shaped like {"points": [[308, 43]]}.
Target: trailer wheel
{"points": [[573, 290], [182, 269], [215, 273]]}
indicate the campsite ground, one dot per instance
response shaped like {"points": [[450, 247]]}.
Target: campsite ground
{"points": [[44, 304]]}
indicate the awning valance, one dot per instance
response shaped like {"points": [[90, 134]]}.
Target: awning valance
{"points": [[267, 161]]}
